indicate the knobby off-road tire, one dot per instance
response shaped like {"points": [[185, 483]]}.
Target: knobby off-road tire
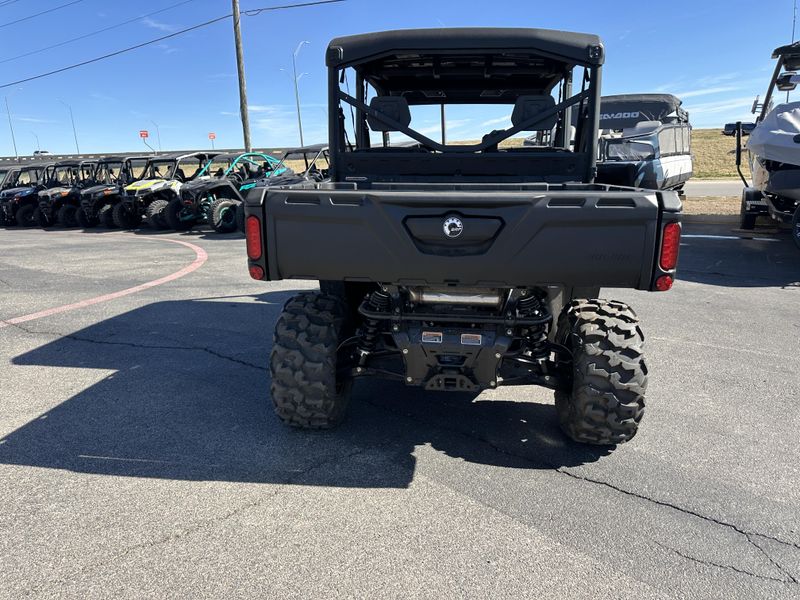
{"points": [[172, 216], [84, 221], [223, 214], [155, 214], [125, 218], [609, 377], [106, 216], [305, 389], [796, 226], [66, 216], [25, 216]]}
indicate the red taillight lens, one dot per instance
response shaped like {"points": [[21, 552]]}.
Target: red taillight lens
{"points": [[252, 231], [256, 272], [664, 283], [670, 244]]}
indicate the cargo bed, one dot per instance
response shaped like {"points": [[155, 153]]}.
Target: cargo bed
{"points": [[513, 234]]}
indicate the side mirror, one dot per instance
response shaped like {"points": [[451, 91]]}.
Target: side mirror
{"points": [[787, 82]]}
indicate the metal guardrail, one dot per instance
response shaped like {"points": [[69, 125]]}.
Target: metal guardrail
{"points": [[59, 157]]}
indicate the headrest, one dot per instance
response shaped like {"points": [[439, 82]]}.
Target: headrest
{"points": [[527, 107], [394, 107]]}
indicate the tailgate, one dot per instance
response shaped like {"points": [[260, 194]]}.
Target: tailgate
{"points": [[506, 239]]}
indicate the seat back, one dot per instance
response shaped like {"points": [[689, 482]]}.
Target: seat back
{"points": [[394, 107], [527, 107]]}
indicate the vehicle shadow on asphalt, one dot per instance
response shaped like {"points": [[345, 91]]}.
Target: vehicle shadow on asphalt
{"points": [[740, 262], [187, 397]]}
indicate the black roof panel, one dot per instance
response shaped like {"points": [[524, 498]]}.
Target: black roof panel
{"points": [[573, 47]]}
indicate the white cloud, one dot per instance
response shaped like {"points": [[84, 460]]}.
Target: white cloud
{"points": [[708, 91], [153, 24], [497, 121]]}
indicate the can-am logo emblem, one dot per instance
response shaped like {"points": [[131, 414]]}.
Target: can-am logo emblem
{"points": [[453, 227]]}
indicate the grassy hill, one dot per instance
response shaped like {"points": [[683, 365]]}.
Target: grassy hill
{"points": [[714, 155]]}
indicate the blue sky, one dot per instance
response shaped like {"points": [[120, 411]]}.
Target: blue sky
{"points": [[715, 55]]}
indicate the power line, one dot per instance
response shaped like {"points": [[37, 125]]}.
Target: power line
{"points": [[249, 13], [7, 2], [39, 14], [257, 11], [93, 33]]}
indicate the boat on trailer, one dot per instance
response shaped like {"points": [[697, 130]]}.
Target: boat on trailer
{"points": [[774, 150]]}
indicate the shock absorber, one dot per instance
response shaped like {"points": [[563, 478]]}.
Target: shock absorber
{"points": [[532, 306], [379, 301]]}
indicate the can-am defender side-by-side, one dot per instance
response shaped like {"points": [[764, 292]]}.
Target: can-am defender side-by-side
{"points": [[645, 142], [161, 182], [215, 195], [111, 176], [774, 150], [60, 199], [19, 201], [463, 267]]}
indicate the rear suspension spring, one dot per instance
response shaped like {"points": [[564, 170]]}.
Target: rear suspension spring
{"points": [[378, 301]]}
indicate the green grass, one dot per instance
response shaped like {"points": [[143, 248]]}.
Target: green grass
{"points": [[715, 155]]}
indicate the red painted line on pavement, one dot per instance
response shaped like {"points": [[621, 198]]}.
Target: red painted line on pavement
{"points": [[201, 256]]}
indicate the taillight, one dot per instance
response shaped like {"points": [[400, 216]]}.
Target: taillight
{"points": [[664, 283], [256, 272], [670, 245], [252, 232]]}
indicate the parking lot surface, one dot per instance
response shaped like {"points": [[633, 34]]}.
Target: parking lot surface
{"points": [[139, 454]]}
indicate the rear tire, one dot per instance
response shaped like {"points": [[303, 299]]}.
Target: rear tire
{"points": [[306, 391], [66, 216], [125, 218], [223, 214], [106, 216], [155, 214], [605, 402], [796, 226], [25, 216]]}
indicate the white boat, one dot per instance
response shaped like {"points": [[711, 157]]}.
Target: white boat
{"points": [[774, 150]]}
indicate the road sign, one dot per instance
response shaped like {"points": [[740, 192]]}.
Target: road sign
{"points": [[144, 134], [212, 136]]}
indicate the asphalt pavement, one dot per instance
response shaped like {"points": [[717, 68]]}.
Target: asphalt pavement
{"points": [[713, 187], [139, 455]]}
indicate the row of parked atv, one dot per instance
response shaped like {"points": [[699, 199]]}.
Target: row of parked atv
{"points": [[168, 191]]}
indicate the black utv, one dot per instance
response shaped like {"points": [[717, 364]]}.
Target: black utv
{"points": [[464, 266], [60, 199], [161, 182], [110, 178], [306, 163], [215, 195], [19, 201]]}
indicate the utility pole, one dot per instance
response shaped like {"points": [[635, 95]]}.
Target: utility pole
{"points": [[237, 38], [297, 89], [38, 146], [11, 127], [74, 131]]}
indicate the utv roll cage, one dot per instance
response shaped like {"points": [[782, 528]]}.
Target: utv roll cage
{"points": [[530, 70]]}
